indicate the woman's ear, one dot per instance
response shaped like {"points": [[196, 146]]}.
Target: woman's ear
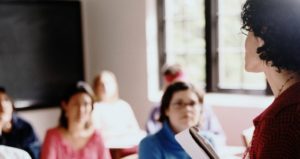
{"points": [[260, 41]]}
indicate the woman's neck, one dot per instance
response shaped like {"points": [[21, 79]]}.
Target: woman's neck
{"points": [[7, 127], [75, 129], [281, 81]]}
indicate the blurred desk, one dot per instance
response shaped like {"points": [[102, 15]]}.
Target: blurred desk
{"points": [[123, 146], [118, 153], [232, 152]]}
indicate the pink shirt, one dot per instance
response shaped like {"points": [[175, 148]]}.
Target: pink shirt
{"points": [[56, 147]]}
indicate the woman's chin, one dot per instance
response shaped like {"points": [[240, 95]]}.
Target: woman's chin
{"points": [[253, 68], [187, 124]]}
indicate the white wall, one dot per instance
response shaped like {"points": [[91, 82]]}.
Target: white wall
{"points": [[115, 39], [41, 119]]}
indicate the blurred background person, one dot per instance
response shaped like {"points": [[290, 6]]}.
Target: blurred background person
{"points": [[173, 73], [15, 131], [114, 117], [7, 152], [75, 136], [181, 108]]}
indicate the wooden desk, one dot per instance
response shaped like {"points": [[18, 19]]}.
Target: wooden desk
{"points": [[118, 153], [121, 146]]}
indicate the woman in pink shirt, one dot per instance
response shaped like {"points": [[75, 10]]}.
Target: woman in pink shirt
{"points": [[75, 137]]}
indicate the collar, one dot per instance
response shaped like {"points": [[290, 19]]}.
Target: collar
{"points": [[289, 97], [167, 137]]}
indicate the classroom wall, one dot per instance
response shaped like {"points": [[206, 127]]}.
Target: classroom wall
{"points": [[115, 39]]}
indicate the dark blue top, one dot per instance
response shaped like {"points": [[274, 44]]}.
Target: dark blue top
{"points": [[22, 136], [162, 145]]}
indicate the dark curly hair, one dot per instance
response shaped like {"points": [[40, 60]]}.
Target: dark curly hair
{"points": [[277, 22]]}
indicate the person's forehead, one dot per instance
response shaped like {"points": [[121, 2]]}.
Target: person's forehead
{"points": [[3, 94], [185, 93]]}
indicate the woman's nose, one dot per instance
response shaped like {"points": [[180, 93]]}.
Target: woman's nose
{"points": [[82, 109], [188, 107]]}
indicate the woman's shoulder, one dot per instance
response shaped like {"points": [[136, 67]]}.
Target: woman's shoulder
{"points": [[290, 110], [150, 147], [150, 140], [20, 122], [121, 102], [96, 135], [95, 140], [54, 132]]}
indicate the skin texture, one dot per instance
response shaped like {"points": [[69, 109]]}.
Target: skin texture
{"points": [[78, 109], [183, 111], [6, 110], [252, 61], [105, 87]]}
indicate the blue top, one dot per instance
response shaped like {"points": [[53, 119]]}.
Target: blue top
{"points": [[161, 145], [21, 136], [211, 128]]}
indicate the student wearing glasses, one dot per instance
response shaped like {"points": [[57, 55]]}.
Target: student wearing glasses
{"points": [[181, 108]]}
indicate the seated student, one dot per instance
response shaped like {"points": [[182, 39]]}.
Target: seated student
{"points": [[15, 131], [171, 74], [174, 73], [113, 116], [181, 108], [75, 137]]}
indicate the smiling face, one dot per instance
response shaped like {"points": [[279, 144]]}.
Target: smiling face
{"points": [[6, 108], [252, 61], [78, 109], [184, 110]]}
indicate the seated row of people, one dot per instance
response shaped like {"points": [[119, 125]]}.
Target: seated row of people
{"points": [[73, 138], [15, 131], [88, 127]]}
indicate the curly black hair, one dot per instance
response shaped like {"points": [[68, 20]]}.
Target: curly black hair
{"points": [[277, 22]]}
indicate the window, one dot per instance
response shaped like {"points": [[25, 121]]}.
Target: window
{"points": [[204, 37]]}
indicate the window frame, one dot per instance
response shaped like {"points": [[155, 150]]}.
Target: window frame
{"points": [[211, 53]]}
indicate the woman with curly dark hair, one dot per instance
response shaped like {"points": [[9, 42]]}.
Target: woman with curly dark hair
{"points": [[273, 47]]}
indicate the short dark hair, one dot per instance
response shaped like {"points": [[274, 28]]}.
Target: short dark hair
{"points": [[168, 95], [277, 23], [79, 87], [2, 89]]}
